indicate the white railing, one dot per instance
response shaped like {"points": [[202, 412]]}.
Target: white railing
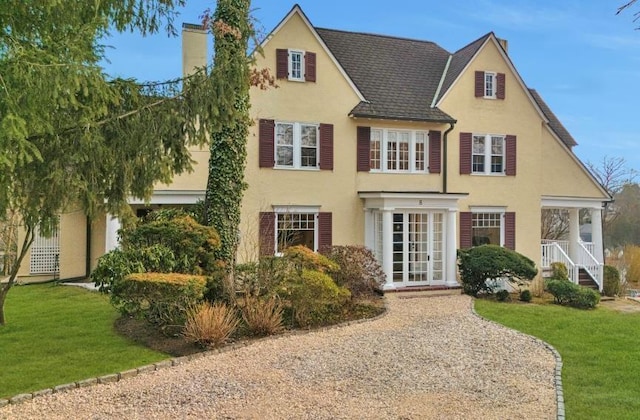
{"points": [[587, 261], [562, 244], [552, 251]]}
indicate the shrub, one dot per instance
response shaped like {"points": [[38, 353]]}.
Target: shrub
{"points": [[314, 298], [192, 244], [585, 298], [611, 286], [525, 296], [631, 261], [559, 271], [481, 263], [305, 259], [502, 295], [563, 291], [359, 271], [262, 316], [567, 293], [210, 325], [537, 286], [115, 265], [162, 298]]}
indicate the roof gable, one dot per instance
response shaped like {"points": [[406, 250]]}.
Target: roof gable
{"points": [[296, 10], [554, 123]]}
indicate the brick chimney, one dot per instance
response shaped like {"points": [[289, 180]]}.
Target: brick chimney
{"points": [[194, 47]]}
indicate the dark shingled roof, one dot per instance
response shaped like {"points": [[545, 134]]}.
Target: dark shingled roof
{"points": [[459, 61], [554, 122], [397, 76]]}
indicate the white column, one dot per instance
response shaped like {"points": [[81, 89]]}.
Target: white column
{"points": [[368, 230], [387, 248], [451, 248], [596, 234], [111, 236], [574, 233]]}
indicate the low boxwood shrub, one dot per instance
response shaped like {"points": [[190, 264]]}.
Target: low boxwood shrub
{"points": [[314, 298], [567, 293], [502, 295], [359, 271], [525, 296], [161, 298], [611, 286], [485, 262]]}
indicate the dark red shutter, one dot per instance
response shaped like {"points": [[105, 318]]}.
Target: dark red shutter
{"points": [[267, 238], [265, 138], [435, 151], [364, 148], [479, 84], [310, 67], [466, 230], [325, 237], [282, 64], [500, 92], [326, 146], [510, 230], [465, 153], [510, 155]]}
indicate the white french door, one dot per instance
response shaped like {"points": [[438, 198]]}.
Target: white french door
{"points": [[418, 248]]}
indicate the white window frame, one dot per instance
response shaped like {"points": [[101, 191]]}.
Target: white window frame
{"points": [[490, 88], [385, 134], [280, 211], [500, 211], [301, 76], [487, 154], [297, 145]]}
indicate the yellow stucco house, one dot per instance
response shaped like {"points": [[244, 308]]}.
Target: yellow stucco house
{"points": [[392, 143]]}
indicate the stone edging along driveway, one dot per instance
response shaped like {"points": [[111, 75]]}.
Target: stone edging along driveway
{"points": [[426, 358]]}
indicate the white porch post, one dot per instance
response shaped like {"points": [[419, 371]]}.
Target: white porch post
{"points": [[596, 234], [387, 248], [368, 229], [574, 233], [451, 248], [111, 237]]}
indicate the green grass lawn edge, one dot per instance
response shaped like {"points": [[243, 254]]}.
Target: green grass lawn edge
{"points": [[60, 334], [599, 349]]}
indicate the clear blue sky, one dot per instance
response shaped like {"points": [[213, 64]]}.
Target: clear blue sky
{"points": [[582, 58]]}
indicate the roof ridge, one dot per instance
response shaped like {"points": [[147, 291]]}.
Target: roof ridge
{"points": [[381, 36], [483, 37]]}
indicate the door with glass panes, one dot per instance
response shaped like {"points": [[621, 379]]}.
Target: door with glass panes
{"points": [[418, 248]]}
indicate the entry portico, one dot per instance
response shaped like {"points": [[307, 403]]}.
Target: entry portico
{"points": [[413, 236]]}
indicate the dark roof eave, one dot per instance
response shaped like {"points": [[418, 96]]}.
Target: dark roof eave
{"points": [[401, 118]]}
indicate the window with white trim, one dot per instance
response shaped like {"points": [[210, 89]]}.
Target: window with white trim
{"points": [[296, 65], [487, 228], [296, 229], [490, 85], [488, 154], [398, 151], [296, 145]]}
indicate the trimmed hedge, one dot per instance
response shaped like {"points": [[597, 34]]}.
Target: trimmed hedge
{"points": [[161, 298], [611, 286]]}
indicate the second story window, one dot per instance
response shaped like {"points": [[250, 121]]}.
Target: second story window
{"points": [[490, 85], [487, 154], [397, 150], [296, 65], [296, 145]]}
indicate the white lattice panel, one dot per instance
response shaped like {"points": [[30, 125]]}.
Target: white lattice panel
{"points": [[45, 254]]}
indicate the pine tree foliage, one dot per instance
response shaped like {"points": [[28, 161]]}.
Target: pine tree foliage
{"points": [[71, 137]]}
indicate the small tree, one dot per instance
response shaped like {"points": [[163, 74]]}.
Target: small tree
{"points": [[487, 262]]}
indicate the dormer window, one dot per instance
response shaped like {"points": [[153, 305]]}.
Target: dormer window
{"points": [[296, 65]]}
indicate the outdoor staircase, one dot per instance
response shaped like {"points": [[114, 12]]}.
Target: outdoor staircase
{"points": [[585, 279]]}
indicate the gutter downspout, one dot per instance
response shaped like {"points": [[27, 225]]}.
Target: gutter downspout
{"points": [[87, 267], [444, 156]]}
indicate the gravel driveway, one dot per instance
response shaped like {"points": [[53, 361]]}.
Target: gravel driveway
{"points": [[427, 358]]}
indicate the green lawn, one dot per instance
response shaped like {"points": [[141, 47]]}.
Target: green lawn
{"points": [[60, 334], [600, 350]]}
